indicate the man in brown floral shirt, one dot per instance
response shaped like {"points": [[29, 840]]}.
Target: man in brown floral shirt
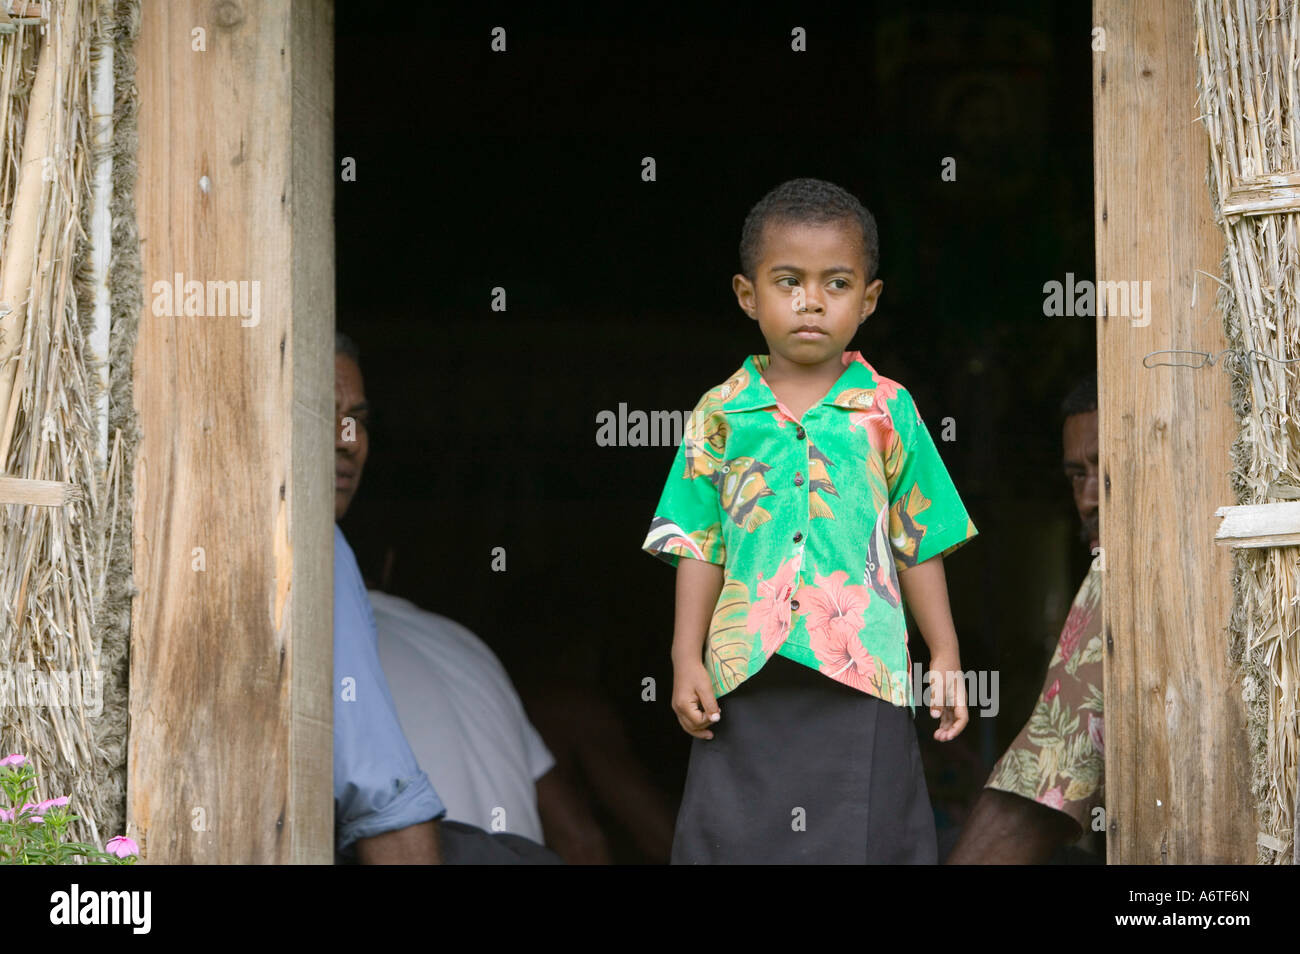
{"points": [[1048, 787]]}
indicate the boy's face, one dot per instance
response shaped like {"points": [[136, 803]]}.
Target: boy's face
{"points": [[810, 292]]}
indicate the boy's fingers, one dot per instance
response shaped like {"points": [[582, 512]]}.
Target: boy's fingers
{"points": [[709, 712], [689, 727], [693, 717], [954, 720], [702, 733], [707, 703]]}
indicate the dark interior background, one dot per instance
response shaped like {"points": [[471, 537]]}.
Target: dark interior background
{"points": [[523, 170]]}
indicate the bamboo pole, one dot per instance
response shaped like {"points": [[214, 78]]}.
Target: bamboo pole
{"points": [[23, 235]]}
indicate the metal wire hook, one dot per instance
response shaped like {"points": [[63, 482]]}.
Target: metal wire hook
{"points": [[1207, 358]]}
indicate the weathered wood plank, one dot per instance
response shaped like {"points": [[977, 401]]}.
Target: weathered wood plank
{"points": [[1264, 195], [1259, 525], [42, 493], [1177, 770], [231, 655]]}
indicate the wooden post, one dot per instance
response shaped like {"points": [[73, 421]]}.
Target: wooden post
{"points": [[230, 751], [1177, 762]]}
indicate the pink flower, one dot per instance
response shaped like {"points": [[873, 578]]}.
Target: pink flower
{"points": [[14, 759], [1053, 798], [1052, 690], [1096, 732], [53, 803], [770, 615], [830, 607], [833, 615], [35, 811], [122, 847], [6, 815]]}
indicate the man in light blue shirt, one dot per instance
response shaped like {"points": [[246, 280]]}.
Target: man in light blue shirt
{"points": [[385, 809]]}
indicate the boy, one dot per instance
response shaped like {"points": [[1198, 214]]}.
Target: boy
{"points": [[808, 501]]}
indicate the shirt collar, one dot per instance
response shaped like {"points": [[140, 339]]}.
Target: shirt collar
{"points": [[847, 391]]}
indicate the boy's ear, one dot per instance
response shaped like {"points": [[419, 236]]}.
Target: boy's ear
{"points": [[745, 295], [870, 298]]}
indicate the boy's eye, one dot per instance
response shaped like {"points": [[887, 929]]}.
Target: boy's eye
{"points": [[788, 278], [843, 282]]}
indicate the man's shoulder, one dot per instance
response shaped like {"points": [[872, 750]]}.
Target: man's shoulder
{"points": [[344, 558], [398, 617], [347, 574]]}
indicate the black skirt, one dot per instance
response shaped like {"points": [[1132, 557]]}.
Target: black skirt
{"points": [[805, 770]]}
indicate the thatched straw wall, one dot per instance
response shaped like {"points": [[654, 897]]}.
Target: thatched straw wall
{"points": [[65, 582], [1249, 71]]}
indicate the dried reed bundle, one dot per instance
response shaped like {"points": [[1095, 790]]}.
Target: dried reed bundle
{"points": [[1248, 74], [51, 557]]}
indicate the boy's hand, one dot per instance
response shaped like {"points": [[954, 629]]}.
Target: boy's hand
{"points": [[693, 699], [947, 697]]}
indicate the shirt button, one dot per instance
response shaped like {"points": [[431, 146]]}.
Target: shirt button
{"points": [[800, 433], [798, 535], [798, 480], [794, 604]]}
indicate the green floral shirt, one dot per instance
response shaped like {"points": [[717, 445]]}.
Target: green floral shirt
{"points": [[812, 520]]}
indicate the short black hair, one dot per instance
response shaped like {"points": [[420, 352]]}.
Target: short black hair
{"points": [[1082, 398], [806, 202], [346, 346]]}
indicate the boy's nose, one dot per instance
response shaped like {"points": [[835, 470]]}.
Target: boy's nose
{"points": [[813, 302]]}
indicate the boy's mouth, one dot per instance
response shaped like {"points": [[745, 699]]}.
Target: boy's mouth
{"points": [[808, 331]]}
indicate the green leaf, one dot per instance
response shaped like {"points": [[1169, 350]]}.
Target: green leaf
{"points": [[729, 643]]}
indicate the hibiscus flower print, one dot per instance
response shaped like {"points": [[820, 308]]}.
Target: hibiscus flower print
{"points": [[1076, 623], [770, 614], [1053, 798], [832, 613]]}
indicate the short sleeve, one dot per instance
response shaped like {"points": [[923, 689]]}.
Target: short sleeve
{"points": [[926, 515], [688, 520], [540, 759]]}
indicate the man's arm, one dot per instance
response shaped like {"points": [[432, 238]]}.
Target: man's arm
{"points": [[416, 845], [381, 795], [1006, 829], [570, 829]]}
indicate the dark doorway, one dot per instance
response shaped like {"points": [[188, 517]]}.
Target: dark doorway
{"points": [[522, 170]]}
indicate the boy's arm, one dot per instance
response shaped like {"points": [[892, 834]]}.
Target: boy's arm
{"points": [[926, 591], [698, 586]]}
